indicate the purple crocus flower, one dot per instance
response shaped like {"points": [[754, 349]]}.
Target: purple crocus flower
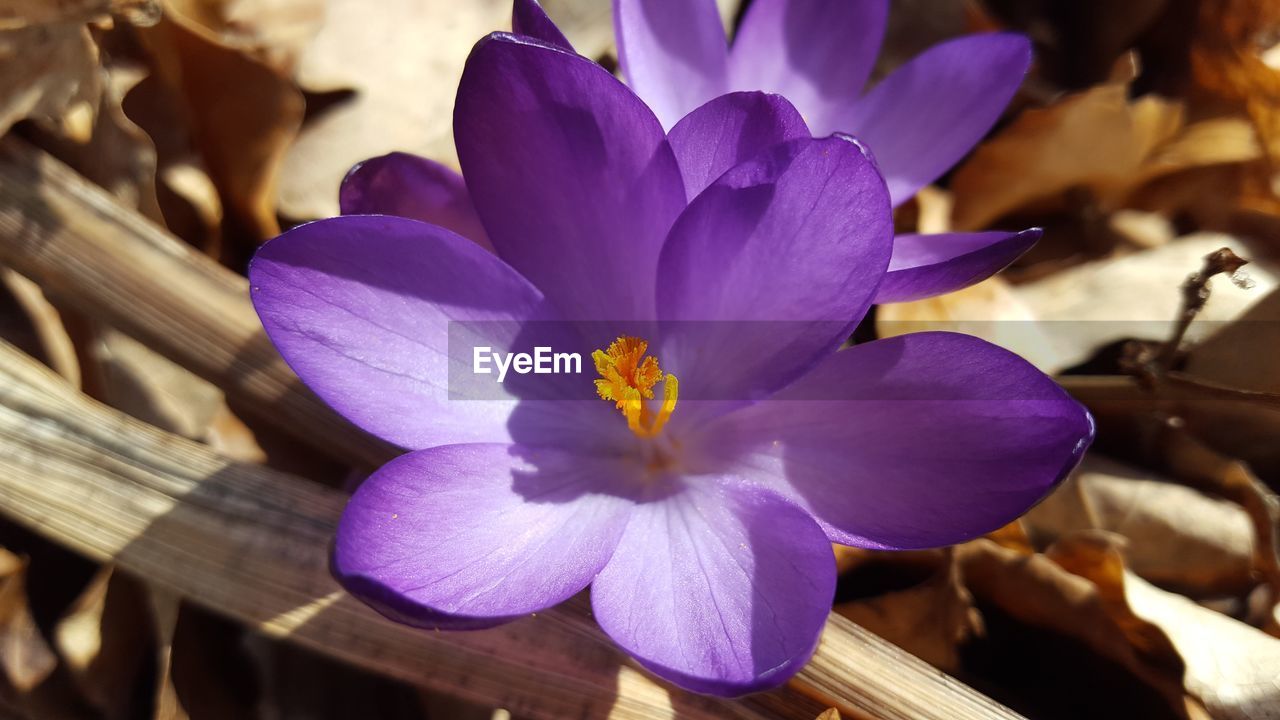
{"points": [[698, 510], [918, 122]]}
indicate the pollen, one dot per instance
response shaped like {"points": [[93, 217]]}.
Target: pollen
{"points": [[628, 377]]}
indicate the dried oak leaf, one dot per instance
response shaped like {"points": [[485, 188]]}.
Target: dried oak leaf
{"points": [[1175, 536], [1097, 139], [241, 112]]}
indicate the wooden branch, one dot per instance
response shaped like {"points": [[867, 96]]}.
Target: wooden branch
{"points": [[252, 543], [110, 263]]}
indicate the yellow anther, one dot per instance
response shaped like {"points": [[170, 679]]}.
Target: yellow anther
{"points": [[627, 378]]}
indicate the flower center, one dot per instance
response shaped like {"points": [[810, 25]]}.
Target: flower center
{"points": [[627, 378]]}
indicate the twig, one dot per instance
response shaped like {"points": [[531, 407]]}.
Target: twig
{"points": [[1195, 293]]}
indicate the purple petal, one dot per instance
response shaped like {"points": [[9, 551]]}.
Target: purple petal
{"points": [[771, 267], [923, 266], [528, 18], [910, 442], [570, 173], [360, 307], [817, 53], [412, 187], [719, 589], [930, 112], [465, 536], [673, 53], [730, 130]]}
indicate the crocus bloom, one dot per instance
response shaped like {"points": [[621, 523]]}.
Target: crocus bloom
{"points": [[699, 510], [917, 123]]}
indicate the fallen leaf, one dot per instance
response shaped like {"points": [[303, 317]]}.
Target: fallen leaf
{"points": [[275, 32], [1099, 140], [931, 620], [1227, 60], [133, 378], [104, 642], [165, 608], [242, 115], [59, 352], [25, 658], [1096, 138], [1233, 669], [1175, 536], [118, 155], [49, 73], [1036, 591], [991, 310], [403, 90]]}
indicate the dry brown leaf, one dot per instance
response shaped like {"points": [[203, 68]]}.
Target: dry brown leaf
{"points": [[132, 377], [25, 658], [59, 352], [1227, 60], [49, 73], [104, 642], [1101, 140], [1038, 592], [1097, 138], [194, 210], [990, 310], [118, 155], [165, 607], [1013, 537], [1233, 669], [273, 31], [242, 115], [403, 86], [1175, 536], [931, 620], [1142, 229]]}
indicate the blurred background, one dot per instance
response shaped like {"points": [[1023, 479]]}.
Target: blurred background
{"points": [[1145, 139]]}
